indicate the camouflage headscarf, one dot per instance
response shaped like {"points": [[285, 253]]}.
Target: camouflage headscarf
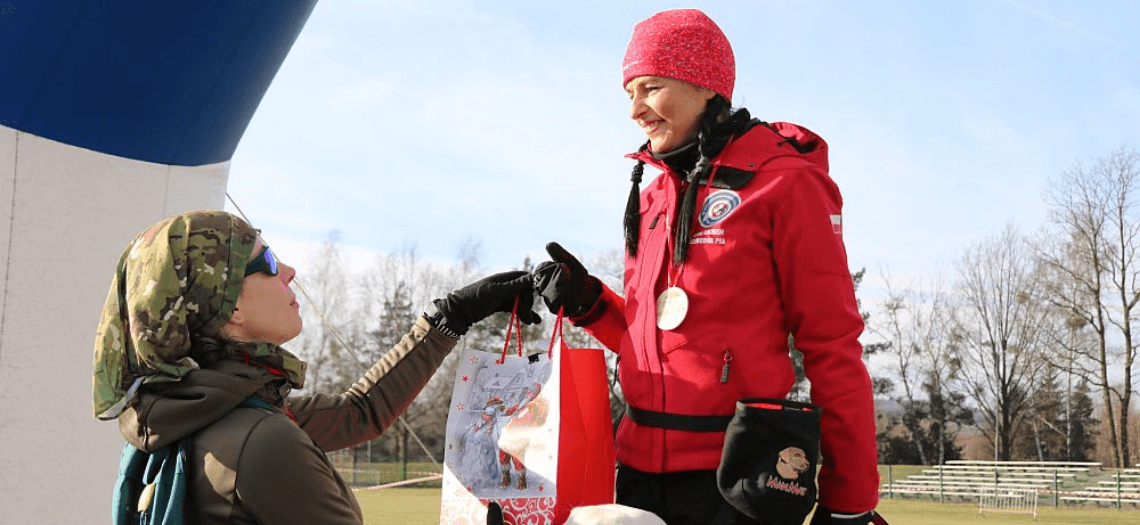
{"points": [[177, 282]]}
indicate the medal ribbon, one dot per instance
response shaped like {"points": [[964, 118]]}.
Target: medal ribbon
{"points": [[674, 277], [671, 276]]}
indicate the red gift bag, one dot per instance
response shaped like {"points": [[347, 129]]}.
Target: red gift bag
{"points": [[531, 435]]}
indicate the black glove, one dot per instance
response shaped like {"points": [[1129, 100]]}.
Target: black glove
{"points": [[454, 314], [564, 283], [826, 516]]}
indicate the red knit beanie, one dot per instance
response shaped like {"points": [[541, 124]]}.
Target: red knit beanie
{"points": [[683, 44]]}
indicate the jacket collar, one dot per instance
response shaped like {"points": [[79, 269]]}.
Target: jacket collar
{"points": [[724, 177]]}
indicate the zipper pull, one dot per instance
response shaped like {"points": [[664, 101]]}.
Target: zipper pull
{"points": [[724, 371], [615, 378], [654, 223]]}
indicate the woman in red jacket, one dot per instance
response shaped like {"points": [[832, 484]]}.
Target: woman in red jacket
{"points": [[734, 246]]}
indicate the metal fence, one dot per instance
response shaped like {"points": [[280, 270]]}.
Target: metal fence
{"points": [[358, 472]]}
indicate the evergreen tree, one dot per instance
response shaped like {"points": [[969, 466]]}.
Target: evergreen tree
{"points": [[1045, 440], [948, 414], [1084, 426], [931, 425]]}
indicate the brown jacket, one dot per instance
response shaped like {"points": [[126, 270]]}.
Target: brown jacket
{"points": [[255, 466]]}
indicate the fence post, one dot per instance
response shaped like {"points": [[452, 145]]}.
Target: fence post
{"points": [[890, 482], [941, 485], [1119, 475], [1056, 488], [404, 458], [368, 464]]}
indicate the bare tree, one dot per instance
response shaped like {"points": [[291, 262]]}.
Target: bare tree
{"points": [[1001, 332], [924, 360], [396, 288], [904, 353], [1121, 171], [1094, 266], [1078, 343], [401, 276], [356, 317], [327, 316]]}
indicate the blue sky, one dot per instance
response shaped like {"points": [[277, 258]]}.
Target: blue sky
{"points": [[430, 123]]}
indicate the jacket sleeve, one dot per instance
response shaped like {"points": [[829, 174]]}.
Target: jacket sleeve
{"points": [[372, 404], [823, 317], [606, 320]]}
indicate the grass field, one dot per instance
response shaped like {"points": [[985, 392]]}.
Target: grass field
{"points": [[415, 506]]}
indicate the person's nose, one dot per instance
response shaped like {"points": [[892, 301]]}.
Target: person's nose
{"points": [[637, 107], [286, 272]]}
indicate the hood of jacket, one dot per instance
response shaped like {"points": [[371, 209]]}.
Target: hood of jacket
{"points": [[163, 413], [808, 145]]}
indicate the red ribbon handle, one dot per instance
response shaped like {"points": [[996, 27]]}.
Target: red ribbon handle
{"points": [[515, 325], [556, 334]]}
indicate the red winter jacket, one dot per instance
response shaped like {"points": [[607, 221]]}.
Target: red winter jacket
{"points": [[766, 259]]}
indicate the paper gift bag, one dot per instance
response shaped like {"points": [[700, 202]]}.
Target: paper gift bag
{"points": [[531, 435]]}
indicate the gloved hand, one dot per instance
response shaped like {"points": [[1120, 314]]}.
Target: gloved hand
{"points": [[474, 302], [564, 282], [826, 516], [494, 514]]}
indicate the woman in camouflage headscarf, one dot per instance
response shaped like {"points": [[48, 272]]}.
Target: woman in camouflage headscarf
{"points": [[173, 281], [190, 331]]}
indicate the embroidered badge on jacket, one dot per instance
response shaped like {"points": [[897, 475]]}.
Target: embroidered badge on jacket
{"points": [[837, 224], [718, 206]]}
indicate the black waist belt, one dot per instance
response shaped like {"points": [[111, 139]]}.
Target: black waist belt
{"points": [[650, 418]]}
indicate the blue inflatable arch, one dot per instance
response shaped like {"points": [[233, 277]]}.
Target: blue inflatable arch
{"points": [[165, 81]]}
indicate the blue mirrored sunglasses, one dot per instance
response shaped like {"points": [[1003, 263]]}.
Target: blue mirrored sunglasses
{"points": [[265, 261]]}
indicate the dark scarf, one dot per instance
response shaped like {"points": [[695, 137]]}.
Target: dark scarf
{"points": [[692, 163]]}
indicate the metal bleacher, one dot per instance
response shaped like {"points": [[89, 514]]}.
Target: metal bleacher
{"points": [[1119, 489], [1082, 483]]}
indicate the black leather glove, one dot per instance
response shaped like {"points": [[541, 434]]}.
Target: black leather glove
{"points": [[454, 314], [826, 516], [564, 283]]}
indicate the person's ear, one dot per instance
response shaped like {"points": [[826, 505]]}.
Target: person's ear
{"points": [[237, 318]]}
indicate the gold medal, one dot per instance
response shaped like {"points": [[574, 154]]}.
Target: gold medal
{"points": [[672, 305]]}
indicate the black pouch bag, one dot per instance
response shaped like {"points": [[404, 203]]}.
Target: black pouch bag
{"points": [[767, 470]]}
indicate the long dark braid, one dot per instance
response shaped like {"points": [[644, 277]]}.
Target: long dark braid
{"points": [[682, 230], [632, 217]]}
